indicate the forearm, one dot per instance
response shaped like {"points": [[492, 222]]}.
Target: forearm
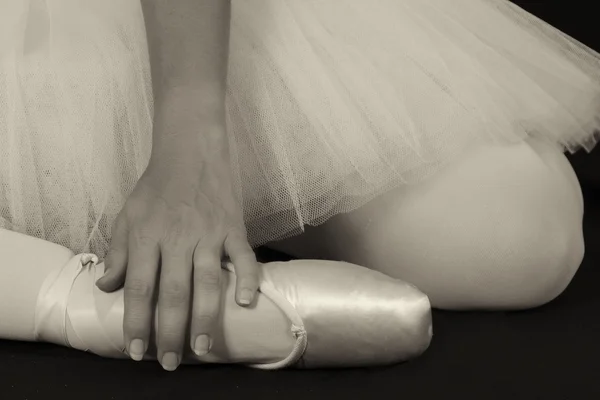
{"points": [[189, 43]]}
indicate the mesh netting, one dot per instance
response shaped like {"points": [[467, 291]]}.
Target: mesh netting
{"points": [[330, 103]]}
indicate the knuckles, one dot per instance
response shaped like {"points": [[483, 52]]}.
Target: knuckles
{"points": [[144, 237], [207, 279], [174, 294], [138, 289], [176, 233]]}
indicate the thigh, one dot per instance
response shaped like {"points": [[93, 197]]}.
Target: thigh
{"points": [[499, 228]]}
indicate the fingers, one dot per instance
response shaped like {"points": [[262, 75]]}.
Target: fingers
{"points": [[115, 262], [140, 282], [174, 302], [246, 267], [134, 258], [207, 297]]}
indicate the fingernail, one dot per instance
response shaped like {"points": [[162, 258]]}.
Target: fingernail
{"points": [[136, 349], [246, 296], [202, 345], [170, 361]]}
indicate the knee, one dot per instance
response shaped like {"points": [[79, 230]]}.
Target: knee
{"points": [[506, 238], [500, 264], [529, 270], [536, 243], [553, 269]]}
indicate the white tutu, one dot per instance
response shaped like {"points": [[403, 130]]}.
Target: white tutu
{"points": [[330, 103]]}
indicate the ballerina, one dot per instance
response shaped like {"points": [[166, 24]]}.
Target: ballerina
{"points": [[423, 139]]}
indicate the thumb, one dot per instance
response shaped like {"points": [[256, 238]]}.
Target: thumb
{"points": [[115, 262], [114, 273]]}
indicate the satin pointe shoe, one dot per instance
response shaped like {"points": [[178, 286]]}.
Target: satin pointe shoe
{"points": [[332, 314]]}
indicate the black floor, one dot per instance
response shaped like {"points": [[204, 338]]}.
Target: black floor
{"points": [[548, 353]]}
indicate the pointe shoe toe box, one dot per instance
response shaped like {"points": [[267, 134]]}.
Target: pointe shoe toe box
{"points": [[353, 316]]}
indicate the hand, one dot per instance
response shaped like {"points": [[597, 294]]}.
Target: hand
{"points": [[181, 214]]}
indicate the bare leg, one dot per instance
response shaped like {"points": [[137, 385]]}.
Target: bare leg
{"points": [[499, 229]]}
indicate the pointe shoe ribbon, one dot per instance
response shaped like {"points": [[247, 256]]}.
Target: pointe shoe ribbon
{"points": [[68, 313], [340, 314]]}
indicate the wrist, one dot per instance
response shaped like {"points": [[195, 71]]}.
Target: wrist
{"points": [[190, 99], [188, 117], [190, 146], [192, 105]]}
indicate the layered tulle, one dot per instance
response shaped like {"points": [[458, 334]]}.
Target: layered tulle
{"points": [[75, 116], [330, 103]]}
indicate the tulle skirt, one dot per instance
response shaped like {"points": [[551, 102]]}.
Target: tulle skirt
{"points": [[329, 104]]}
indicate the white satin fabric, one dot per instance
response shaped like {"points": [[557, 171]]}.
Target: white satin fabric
{"points": [[71, 311], [341, 315]]}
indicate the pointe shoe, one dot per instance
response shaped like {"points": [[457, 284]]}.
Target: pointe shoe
{"points": [[338, 314], [345, 315]]}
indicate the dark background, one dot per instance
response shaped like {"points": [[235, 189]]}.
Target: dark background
{"points": [[548, 353]]}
